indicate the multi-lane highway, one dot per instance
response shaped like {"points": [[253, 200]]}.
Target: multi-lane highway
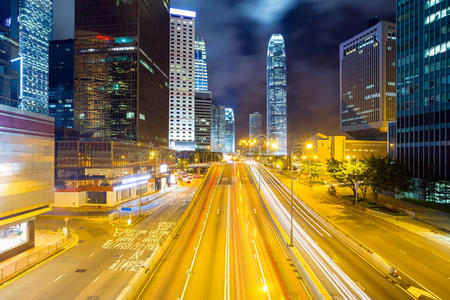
{"points": [[227, 249], [105, 259], [343, 272]]}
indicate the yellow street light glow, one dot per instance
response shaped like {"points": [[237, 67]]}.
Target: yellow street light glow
{"points": [[275, 145], [304, 157], [315, 156], [129, 222], [347, 157], [309, 146]]}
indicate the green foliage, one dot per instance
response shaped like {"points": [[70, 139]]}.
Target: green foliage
{"points": [[312, 169], [348, 172], [385, 174]]}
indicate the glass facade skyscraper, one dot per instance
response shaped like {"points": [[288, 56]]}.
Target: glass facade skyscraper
{"points": [[121, 70], [367, 82], [60, 99], [277, 92], [229, 131], [35, 30], [201, 67], [218, 128], [203, 120], [423, 81], [255, 125]]}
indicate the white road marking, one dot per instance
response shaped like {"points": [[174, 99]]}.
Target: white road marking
{"points": [[218, 211], [93, 281], [226, 284], [92, 254], [58, 278]]}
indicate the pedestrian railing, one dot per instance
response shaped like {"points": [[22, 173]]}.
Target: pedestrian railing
{"points": [[8, 271]]}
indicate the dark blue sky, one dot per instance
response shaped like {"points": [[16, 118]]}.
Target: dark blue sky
{"points": [[237, 32]]}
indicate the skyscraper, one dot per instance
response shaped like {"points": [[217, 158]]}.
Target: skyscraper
{"points": [[423, 95], [121, 70], [202, 120], [182, 78], [255, 125], [201, 68], [60, 101], [35, 31], [26, 137], [229, 129], [367, 82], [277, 92], [218, 128]]}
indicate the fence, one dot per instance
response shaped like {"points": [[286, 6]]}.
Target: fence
{"points": [[33, 258]]}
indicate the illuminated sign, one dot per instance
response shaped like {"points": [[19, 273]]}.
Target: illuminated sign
{"points": [[103, 37], [163, 168], [182, 12]]}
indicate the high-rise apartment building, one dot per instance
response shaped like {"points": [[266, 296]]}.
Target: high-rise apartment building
{"points": [[182, 80], [201, 67], [203, 120], [255, 127], [367, 82], [26, 137], [229, 128], [121, 70], [277, 93], [60, 99], [218, 128], [423, 94]]}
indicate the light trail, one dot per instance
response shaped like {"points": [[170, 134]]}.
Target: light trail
{"points": [[339, 280], [200, 239]]}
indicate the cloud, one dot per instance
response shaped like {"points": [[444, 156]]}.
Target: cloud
{"points": [[265, 11]]}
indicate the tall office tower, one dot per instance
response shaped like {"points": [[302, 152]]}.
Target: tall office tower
{"points": [[201, 67], [277, 92], [255, 125], [9, 46], [121, 70], [229, 129], [203, 120], [26, 137], [423, 82], [60, 91], [218, 128], [367, 82], [35, 30], [182, 78]]}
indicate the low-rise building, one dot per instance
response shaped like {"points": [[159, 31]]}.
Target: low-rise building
{"points": [[321, 147], [106, 172]]}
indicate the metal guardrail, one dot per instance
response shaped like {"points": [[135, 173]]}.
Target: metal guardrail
{"points": [[35, 257]]}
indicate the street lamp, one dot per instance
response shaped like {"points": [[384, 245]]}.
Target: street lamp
{"points": [[276, 146], [140, 189]]}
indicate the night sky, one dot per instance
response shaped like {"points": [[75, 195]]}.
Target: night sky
{"points": [[236, 34]]}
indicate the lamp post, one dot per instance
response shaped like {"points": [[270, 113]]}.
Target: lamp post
{"points": [[140, 189]]}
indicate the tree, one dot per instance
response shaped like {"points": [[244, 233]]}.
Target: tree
{"points": [[312, 169], [350, 173], [385, 174]]}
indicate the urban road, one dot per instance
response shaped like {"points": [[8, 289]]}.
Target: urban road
{"points": [[228, 248], [105, 259]]}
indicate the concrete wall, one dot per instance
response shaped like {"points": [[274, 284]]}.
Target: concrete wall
{"points": [[70, 199]]}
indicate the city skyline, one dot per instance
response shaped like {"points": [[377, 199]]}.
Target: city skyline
{"points": [[245, 50]]}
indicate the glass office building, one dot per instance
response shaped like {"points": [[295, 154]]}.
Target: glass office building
{"points": [[255, 125], [203, 120], [277, 92], [229, 131], [35, 30], [218, 128], [121, 70], [423, 95], [367, 82], [60, 100], [201, 67]]}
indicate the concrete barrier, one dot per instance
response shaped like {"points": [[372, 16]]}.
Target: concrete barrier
{"points": [[373, 258], [139, 280], [301, 267]]}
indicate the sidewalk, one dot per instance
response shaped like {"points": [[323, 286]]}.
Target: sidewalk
{"points": [[429, 223], [47, 243]]}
